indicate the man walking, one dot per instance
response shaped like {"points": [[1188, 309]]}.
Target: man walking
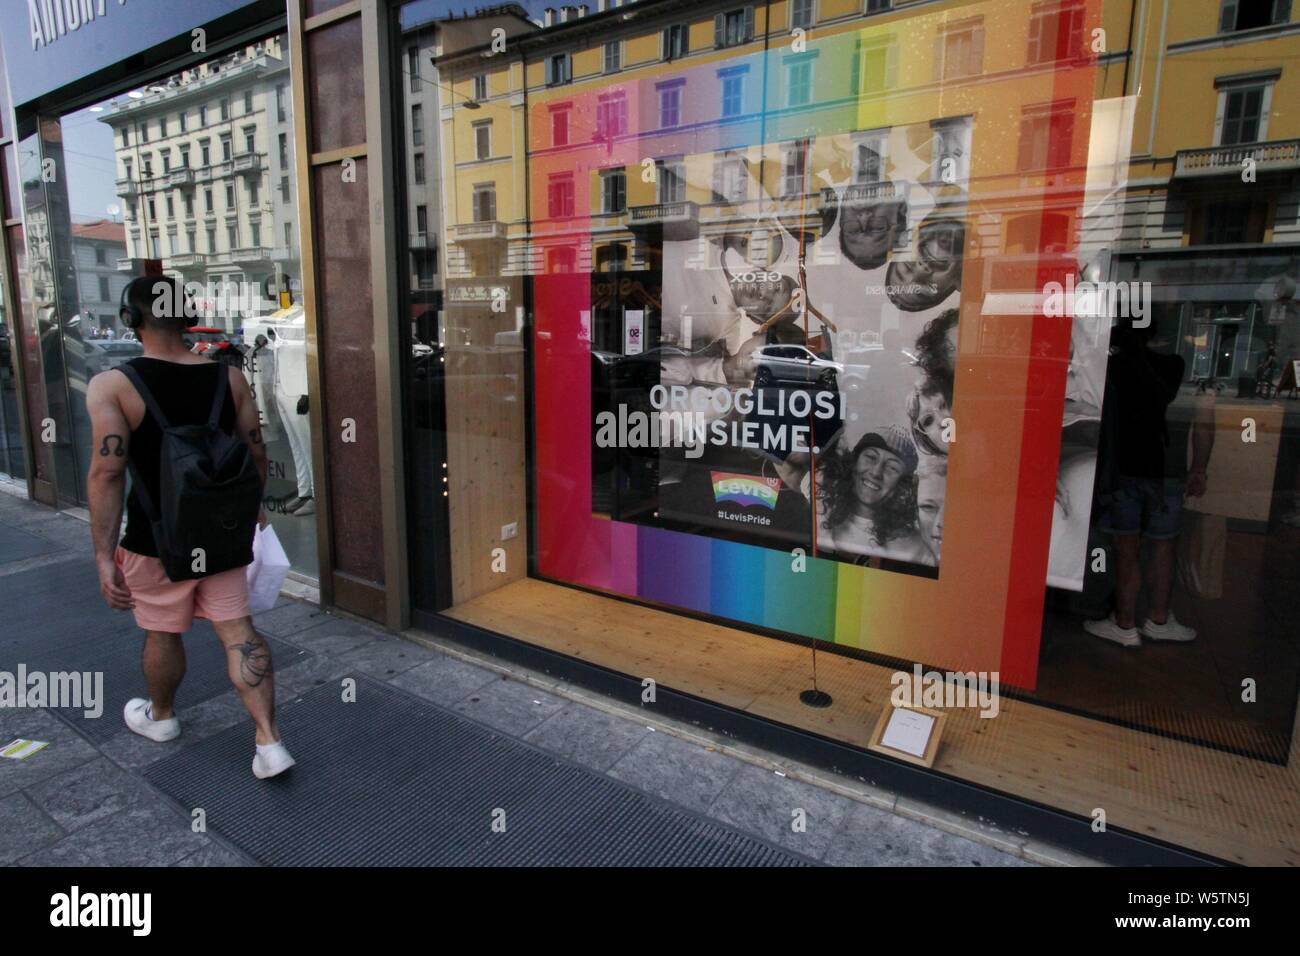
{"points": [[186, 389]]}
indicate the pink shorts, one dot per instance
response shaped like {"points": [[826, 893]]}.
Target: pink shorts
{"points": [[162, 604]]}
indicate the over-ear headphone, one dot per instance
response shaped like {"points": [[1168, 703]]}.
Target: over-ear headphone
{"points": [[133, 317]]}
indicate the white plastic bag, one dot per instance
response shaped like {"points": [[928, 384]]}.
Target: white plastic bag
{"points": [[266, 573]]}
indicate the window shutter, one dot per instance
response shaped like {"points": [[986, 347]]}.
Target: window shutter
{"points": [[665, 48], [976, 65], [492, 205], [1062, 138], [855, 71], [1282, 11], [1228, 16], [550, 72], [891, 68], [749, 23], [719, 30], [684, 32], [717, 178]]}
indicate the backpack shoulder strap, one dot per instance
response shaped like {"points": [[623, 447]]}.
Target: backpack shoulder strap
{"points": [[151, 405], [219, 399], [146, 396]]}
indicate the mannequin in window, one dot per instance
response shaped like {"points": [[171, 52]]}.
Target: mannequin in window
{"points": [[288, 341]]}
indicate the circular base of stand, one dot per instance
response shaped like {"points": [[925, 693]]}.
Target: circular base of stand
{"points": [[815, 698]]}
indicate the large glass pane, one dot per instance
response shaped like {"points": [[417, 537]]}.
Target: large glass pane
{"points": [[193, 175], [45, 225], [11, 441], [948, 345]]}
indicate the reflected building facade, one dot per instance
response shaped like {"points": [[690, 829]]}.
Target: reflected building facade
{"points": [[205, 172]]}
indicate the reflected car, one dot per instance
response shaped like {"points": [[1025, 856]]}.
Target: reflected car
{"points": [[794, 363], [215, 343], [103, 354]]}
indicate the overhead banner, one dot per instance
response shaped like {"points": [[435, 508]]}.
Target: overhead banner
{"points": [[49, 44]]}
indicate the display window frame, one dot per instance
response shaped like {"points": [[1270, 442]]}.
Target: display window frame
{"points": [[540, 624]]}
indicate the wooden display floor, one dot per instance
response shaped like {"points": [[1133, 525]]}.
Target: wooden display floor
{"points": [[1235, 808]]}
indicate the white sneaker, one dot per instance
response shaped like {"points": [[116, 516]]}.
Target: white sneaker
{"points": [[271, 759], [1108, 630], [138, 715], [1171, 630]]}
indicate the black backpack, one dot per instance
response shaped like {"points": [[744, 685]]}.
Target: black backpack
{"points": [[209, 491]]}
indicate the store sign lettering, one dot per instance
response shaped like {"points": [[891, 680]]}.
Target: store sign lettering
{"points": [[623, 288], [51, 19], [479, 293]]}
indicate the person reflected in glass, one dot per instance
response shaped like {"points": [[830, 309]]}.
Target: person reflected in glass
{"points": [[1144, 485]]}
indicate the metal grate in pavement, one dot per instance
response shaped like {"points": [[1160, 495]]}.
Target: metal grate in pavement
{"points": [[391, 780], [55, 620]]}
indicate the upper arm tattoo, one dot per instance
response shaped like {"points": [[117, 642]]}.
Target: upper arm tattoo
{"points": [[113, 444]]}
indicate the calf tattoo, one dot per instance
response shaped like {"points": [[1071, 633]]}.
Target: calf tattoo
{"points": [[109, 446], [254, 661]]}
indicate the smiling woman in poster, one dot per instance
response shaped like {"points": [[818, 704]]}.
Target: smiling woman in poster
{"points": [[866, 498]]}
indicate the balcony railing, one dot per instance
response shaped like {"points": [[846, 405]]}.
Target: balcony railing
{"points": [[250, 254], [187, 260], [421, 242], [881, 192], [680, 220], [180, 177], [479, 231], [664, 212], [1277, 156], [248, 162], [127, 187], [125, 264]]}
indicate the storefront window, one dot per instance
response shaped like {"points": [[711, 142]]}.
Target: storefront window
{"points": [[111, 192], [922, 349], [11, 439]]}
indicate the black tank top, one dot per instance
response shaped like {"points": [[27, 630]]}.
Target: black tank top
{"points": [[185, 393]]}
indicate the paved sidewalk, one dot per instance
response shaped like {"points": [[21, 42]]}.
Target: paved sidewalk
{"points": [[85, 805]]}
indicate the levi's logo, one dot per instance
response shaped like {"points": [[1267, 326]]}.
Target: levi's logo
{"points": [[745, 490]]}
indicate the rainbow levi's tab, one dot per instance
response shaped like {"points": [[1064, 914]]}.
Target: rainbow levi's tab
{"points": [[744, 490]]}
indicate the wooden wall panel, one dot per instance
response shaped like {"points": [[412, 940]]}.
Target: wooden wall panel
{"points": [[486, 446]]}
